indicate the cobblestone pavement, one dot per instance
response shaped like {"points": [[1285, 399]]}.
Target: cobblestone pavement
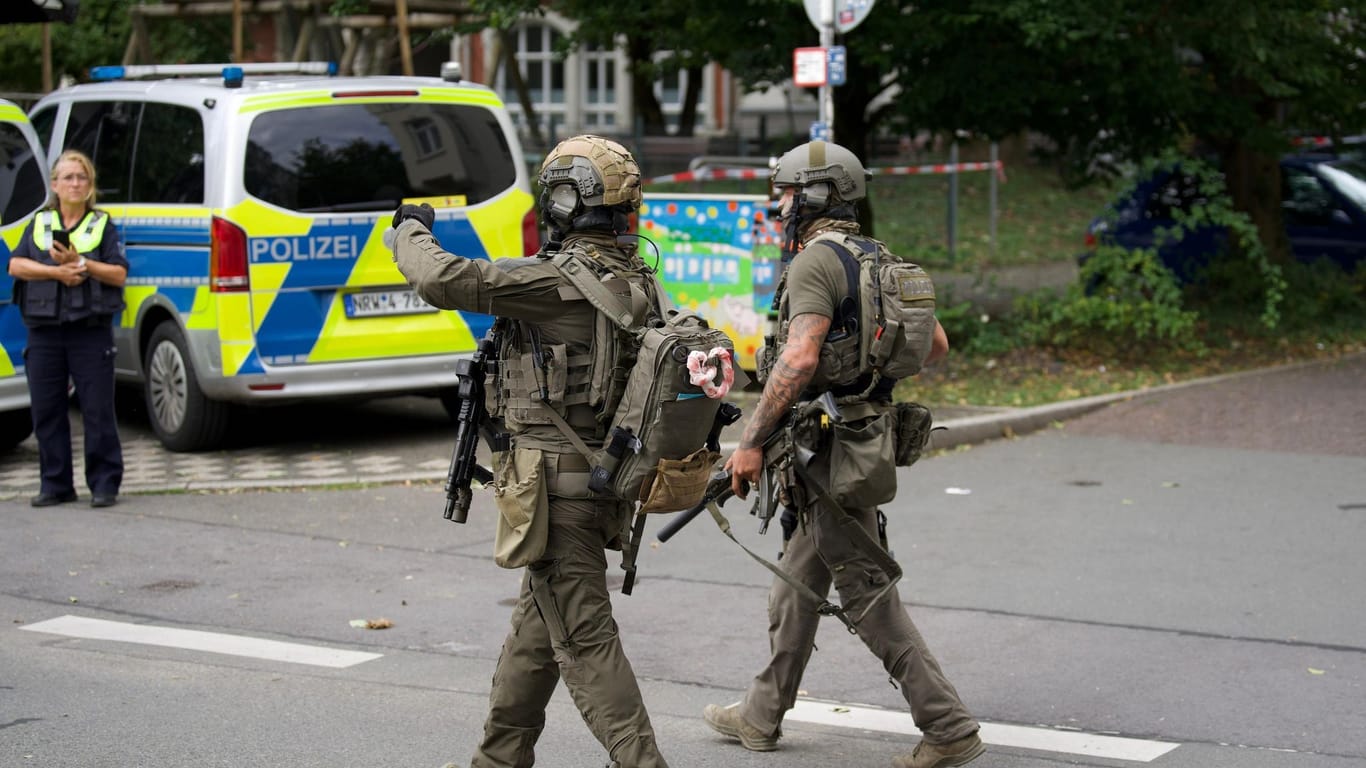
{"points": [[379, 441]]}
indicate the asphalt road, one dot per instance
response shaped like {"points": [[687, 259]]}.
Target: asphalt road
{"points": [[1156, 572]]}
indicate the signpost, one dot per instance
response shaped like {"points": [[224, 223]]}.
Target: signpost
{"points": [[828, 16]]}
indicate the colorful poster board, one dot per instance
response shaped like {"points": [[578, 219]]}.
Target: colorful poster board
{"points": [[719, 256]]}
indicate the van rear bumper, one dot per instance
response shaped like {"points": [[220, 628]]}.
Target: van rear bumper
{"points": [[281, 384], [14, 392]]}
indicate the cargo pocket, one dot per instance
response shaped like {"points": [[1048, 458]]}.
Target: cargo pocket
{"points": [[862, 471], [523, 509], [679, 483], [914, 423], [40, 299]]}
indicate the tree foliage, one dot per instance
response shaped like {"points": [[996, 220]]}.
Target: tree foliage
{"points": [[99, 36]]}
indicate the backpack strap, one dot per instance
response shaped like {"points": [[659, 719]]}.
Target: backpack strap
{"points": [[845, 322]]}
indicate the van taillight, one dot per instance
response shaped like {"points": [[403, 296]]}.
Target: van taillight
{"points": [[227, 257], [531, 234], [1090, 241]]}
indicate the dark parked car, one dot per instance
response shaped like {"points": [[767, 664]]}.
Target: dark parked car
{"points": [[1323, 199]]}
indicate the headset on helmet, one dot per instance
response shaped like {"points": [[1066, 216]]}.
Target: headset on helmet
{"points": [[588, 182], [829, 180]]}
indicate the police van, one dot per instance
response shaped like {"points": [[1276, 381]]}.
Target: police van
{"points": [[251, 201], [23, 190]]}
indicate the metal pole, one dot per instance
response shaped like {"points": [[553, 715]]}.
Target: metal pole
{"points": [[953, 202], [992, 172], [827, 94]]}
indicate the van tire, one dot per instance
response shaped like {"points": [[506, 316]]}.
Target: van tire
{"points": [[15, 427], [181, 416]]}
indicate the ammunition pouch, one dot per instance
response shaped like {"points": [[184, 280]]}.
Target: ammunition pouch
{"points": [[860, 462]]}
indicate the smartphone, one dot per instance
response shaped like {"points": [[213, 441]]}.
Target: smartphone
{"points": [[62, 236]]}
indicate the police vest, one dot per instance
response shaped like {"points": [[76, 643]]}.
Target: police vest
{"points": [[48, 302], [85, 236]]}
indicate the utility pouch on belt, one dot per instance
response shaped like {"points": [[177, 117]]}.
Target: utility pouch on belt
{"points": [[523, 509], [914, 422], [862, 470]]}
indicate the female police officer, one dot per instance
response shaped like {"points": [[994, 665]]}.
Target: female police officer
{"points": [[69, 273]]}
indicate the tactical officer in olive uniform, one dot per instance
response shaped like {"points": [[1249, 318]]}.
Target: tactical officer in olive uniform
{"points": [[562, 626], [821, 184], [69, 295]]}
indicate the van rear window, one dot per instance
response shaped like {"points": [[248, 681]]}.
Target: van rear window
{"points": [[369, 157], [22, 186]]}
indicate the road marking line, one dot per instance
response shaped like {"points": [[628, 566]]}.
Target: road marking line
{"points": [[1024, 737], [195, 640]]}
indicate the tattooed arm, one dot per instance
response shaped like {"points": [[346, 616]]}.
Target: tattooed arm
{"points": [[792, 371]]}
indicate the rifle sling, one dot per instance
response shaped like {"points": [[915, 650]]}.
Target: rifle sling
{"points": [[850, 527]]}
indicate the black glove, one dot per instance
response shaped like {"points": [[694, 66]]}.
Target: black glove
{"points": [[422, 213]]}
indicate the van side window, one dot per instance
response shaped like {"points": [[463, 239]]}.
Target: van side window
{"points": [[170, 156], [23, 185], [104, 130], [43, 121]]}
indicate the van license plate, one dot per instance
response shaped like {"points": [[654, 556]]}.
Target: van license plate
{"points": [[377, 303]]}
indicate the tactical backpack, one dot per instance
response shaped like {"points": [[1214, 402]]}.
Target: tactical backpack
{"points": [[883, 328], [656, 446]]}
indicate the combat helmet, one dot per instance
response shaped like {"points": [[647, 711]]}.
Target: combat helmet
{"points": [[829, 181], [826, 175], [588, 182]]}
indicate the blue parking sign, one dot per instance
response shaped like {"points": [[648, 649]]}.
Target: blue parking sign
{"points": [[820, 131], [836, 64]]}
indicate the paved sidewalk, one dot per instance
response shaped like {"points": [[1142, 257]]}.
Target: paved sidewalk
{"points": [[408, 439]]}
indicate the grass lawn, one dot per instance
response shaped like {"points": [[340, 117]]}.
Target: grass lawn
{"points": [[1039, 221]]}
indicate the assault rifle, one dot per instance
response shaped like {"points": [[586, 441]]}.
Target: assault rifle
{"points": [[471, 420]]}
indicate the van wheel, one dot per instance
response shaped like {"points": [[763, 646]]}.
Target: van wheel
{"points": [[15, 427], [182, 417]]}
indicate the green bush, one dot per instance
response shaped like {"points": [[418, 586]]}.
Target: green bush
{"points": [[974, 332], [1125, 304]]}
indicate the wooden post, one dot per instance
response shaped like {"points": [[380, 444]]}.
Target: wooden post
{"points": [[237, 31], [47, 57], [405, 49]]}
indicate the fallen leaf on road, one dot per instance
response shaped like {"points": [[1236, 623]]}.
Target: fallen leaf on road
{"points": [[1313, 671], [371, 623], [958, 491]]}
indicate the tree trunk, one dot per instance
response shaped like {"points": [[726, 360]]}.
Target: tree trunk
{"points": [[687, 119], [851, 126], [508, 44], [1254, 184], [643, 89]]}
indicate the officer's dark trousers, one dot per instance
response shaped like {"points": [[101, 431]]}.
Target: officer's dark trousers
{"points": [[85, 355], [562, 627], [816, 556]]}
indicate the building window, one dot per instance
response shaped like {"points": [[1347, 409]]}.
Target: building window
{"points": [[600, 87], [542, 70]]}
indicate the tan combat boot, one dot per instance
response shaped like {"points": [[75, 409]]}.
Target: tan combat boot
{"points": [[957, 752], [727, 722]]}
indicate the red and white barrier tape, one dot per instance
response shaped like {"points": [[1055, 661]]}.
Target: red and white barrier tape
{"points": [[713, 174]]}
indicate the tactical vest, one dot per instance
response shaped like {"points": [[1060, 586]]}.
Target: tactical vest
{"points": [[550, 383], [48, 301], [882, 329]]}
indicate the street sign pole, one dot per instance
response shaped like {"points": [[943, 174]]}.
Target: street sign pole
{"points": [[827, 92]]}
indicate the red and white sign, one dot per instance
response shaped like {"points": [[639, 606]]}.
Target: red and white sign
{"points": [[808, 67]]}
